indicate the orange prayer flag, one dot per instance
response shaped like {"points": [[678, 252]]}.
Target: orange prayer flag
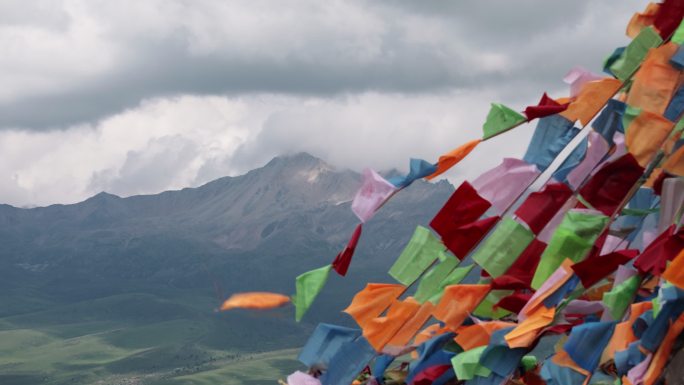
{"points": [[591, 99], [372, 301], [645, 135], [380, 330], [255, 300], [411, 327], [675, 163], [526, 332], [457, 302], [562, 358], [656, 81], [675, 271], [473, 336], [450, 159], [642, 20], [623, 334]]}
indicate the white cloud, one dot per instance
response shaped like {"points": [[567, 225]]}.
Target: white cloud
{"points": [[156, 95]]}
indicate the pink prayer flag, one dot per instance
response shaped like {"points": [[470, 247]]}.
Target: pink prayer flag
{"points": [[578, 77], [373, 193], [503, 184], [301, 378], [637, 373], [671, 199], [598, 148]]}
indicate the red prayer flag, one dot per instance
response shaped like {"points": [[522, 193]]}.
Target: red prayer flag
{"points": [[463, 207], [539, 207], [514, 302], [545, 107], [608, 187], [664, 248], [521, 272], [343, 259], [668, 17], [429, 375], [462, 239], [593, 269]]}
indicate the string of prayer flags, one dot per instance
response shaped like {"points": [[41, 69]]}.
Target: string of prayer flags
{"points": [[255, 300], [418, 168], [503, 246], [308, 286], [451, 158], [420, 253], [373, 193], [503, 184], [550, 137], [500, 119], [635, 53], [343, 259], [573, 240], [545, 107]]}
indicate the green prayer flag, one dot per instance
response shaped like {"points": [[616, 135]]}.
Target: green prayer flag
{"points": [[678, 37], [655, 302], [308, 286], [467, 364], [499, 119], [573, 239], [455, 277], [486, 308], [503, 246], [618, 299], [421, 251], [634, 54], [429, 284]]}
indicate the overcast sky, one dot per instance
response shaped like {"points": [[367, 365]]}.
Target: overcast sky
{"points": [[137, 97]]}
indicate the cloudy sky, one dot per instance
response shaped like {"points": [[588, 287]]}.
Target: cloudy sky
{"points": [[135, 97]]}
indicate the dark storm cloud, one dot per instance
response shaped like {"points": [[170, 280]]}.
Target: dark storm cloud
{"points": [[296, 48]]}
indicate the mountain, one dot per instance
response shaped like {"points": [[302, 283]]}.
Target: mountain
{"points": [[142, 275]]}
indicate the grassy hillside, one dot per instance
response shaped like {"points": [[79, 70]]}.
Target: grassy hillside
{"points": [[141, 339]]}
